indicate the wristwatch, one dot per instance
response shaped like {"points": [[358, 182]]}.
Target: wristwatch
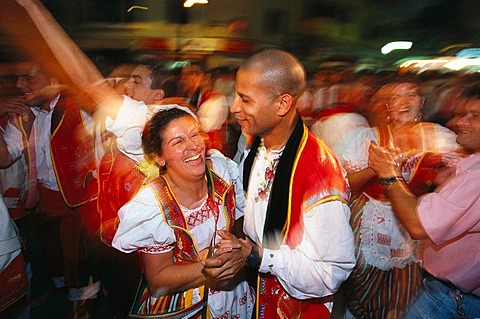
{"points": [[387, 182], [253, 260]]}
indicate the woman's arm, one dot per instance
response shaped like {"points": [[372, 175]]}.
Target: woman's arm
{"points": [[359, 179], [166, 277]]}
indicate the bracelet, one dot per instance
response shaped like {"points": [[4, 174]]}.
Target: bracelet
{"points": [[387, 182]]}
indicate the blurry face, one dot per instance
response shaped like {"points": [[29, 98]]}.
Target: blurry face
{"points": [[30, 80], [466, 123], [138, 86], [404, 103], [183, 148], [191, 79], [254, 107], [376, 111]]}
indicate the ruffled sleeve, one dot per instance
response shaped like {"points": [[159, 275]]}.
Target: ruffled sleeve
{"points": [[229, 171], [142, 226], [354, 148]]}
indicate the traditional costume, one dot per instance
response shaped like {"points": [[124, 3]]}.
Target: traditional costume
{"points": [[386, 277], [60, 155], [297, 212], [154, 222]]}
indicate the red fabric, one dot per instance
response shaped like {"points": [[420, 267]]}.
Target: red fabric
{"points": [[119, 180], [307, 185], [14, 282], [72, 148]]}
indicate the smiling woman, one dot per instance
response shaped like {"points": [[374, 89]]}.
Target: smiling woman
{"points": [[173, 220]]}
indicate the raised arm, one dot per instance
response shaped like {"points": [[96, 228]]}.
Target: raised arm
{"points": [[81, 70]]}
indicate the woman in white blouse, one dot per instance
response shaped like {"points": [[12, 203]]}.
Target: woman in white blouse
{"points": [[173, 220]]}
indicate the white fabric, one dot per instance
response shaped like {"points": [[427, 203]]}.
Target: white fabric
{"points": [[333, 129], [142, 226], [319, 264], [213, 113], [9, 240], [42, 130], [384, 241], [14, 177], [129, 122]]}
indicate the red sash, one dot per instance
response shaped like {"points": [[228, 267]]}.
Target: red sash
{"points": [[72, 148], [119, 179]]}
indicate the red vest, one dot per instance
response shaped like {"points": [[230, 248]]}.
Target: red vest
{"points": [[315, 176], [72, 150], [119, 179]]}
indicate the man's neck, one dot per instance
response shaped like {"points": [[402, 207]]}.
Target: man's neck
{"points": [[278, 136]]}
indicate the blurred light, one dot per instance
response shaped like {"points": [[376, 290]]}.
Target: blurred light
{"points": [[423, 63], [459, 64], [189, 3], [469, 53], [137, 7], [396, 45]]}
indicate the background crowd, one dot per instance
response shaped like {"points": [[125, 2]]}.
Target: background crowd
{"points": [[75, 154]]}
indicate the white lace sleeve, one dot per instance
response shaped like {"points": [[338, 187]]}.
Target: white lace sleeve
{"points": [[142, 226]]}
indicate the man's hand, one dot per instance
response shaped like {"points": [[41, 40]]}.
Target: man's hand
{"points": [[384, 162], [229, 258], [14, 105]]}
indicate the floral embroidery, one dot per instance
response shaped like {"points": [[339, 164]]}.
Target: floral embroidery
{"points": [[156, 249], [266, 184]]}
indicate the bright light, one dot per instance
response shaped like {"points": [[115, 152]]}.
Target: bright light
{"points": [[459, 64], [137, 7], [396, 45], [189, 3]]}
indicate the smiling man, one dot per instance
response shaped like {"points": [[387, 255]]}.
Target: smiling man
{"points": [[296, 214], [448, 220]]}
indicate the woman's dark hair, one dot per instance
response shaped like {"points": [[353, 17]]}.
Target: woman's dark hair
{"points": [[152, 135]]}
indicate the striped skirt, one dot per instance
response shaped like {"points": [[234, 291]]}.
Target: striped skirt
{"points": [[371, 292]]}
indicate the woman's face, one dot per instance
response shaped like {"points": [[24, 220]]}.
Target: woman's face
{"points": [[183, 148], [404, 103]]}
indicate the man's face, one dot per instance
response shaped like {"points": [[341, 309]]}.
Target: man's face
{"points": [[254, 107], [30, 80], [191, 77], [138, 86], [466, 123]]}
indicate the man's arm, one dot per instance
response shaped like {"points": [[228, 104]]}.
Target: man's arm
{"points": [[404, 202], [76, 64]]}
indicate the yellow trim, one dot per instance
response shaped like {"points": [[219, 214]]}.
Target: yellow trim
{"points": [[257, 297], [56, 172], [183, 216], [286, 228], [328, 199], [27, 159]]}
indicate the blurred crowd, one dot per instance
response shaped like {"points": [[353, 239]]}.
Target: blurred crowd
{"points": [[70, 163]]}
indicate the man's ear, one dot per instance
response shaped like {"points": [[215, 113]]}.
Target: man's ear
{"points": [[285, 104], [158, 95]]}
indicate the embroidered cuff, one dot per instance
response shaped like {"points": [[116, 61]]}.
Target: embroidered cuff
{"points": [[156, 249]]}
